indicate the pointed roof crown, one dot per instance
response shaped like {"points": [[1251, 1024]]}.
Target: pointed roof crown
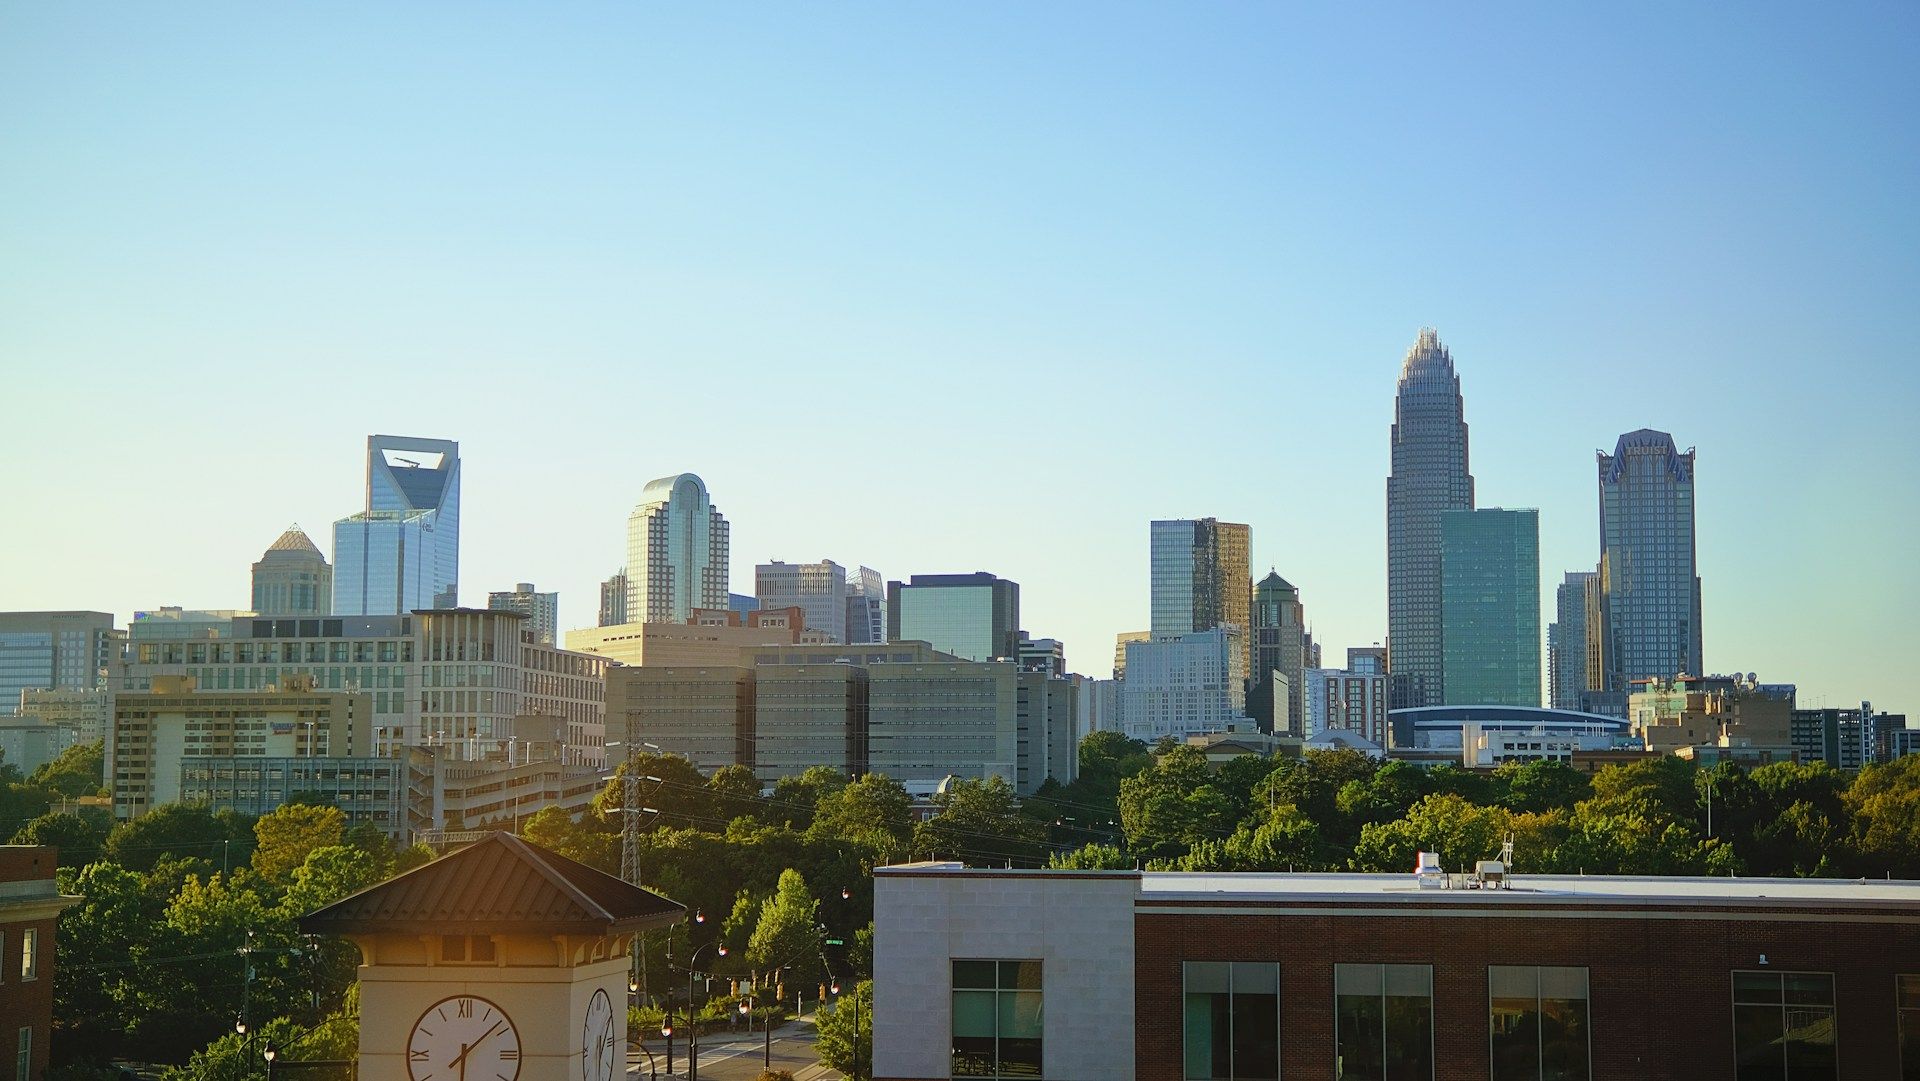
{"points": [[294, 540], [1428, 354], [497, 885]]}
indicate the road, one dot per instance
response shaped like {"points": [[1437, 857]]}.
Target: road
{"points": [[738, 1057]]}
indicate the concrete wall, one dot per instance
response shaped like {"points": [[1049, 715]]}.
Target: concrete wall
{"points": [[1078, 925]]}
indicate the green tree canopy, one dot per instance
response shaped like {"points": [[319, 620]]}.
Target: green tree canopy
{"points": [[980, 821], [286, 834], [873, 812]]}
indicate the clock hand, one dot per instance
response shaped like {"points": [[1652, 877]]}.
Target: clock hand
{"points": [[467, 1049]]}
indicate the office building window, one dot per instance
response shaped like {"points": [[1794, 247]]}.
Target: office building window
{"points": [[1231, 1021], [1783, 1027], [1538, 1024], [996, 1019], [1383, 1022], [1906, 991]]}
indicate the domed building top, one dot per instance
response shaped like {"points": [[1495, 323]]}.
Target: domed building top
{"points": [[295, 540]]}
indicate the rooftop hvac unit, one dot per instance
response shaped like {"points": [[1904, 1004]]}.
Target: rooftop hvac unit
{"points": [[1427, 874]]}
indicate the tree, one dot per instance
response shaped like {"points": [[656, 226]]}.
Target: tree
{"points": [[287, 834], [1461, 832], [584, 841], [77, 771], [873, 812], [1884, 802], [735, 792], [1543, 786], [678, 791], [788, 932], [179, 829], [844, 1039], [1286, 840], [78, 840], [328, 874], [981, 819], [1091, 857], [1169, 808], [794, 798]]}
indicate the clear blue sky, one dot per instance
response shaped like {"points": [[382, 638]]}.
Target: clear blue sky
{"points": [[966, 286]]}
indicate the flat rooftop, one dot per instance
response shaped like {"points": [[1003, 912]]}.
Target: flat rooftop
{"points": [[1157, 887]]}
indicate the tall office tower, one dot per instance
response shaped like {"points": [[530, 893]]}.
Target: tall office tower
{"points": [[401, 554], [1490, 615], [1200, 579], [293, 578], [1649, 580], [1181, 684], [866, 607], [819, 589], [974, 616], [1367, 660], [1120, 650], [63, 650], [1429, 478], [1279, 645], [613, 600], [1567, 642], [541, 609], [676, 552]]}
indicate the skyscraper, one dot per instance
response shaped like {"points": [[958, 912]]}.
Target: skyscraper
{"points": [[819, 589], [1490, 610], [866, 607], [1200, 579], [1567, 642], [975, 616], [293, 578], [65, 650], [676, 552], [1430, 477], [541, 609], [1649, 580], [402, 553], [613, 600], [1279, 638]]}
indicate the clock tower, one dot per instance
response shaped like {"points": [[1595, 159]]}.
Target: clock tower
{"points": [[502, 961]]}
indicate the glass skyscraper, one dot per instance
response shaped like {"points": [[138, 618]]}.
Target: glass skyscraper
{"points": [[1649, 580], [1429, 478], [677, 552], [1567, 643], [819, 589], [974, 616], [1490, 607], [401, 554], [64, 650], [1200, 579]]}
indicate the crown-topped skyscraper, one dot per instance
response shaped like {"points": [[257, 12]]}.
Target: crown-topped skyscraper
{"points": [[1429, 478], [402, 553]]}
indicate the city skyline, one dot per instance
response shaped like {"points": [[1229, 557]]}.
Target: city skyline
{"points": [[1026, 302]]}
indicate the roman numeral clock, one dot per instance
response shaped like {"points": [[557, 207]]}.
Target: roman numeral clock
{"points": [[498, 962]]}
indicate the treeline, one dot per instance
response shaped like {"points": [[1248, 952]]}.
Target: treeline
{"points": [[1343, 811]]}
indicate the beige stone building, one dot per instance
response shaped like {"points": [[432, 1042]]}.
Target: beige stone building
{"points": [[85, 712], [1714, 711], [711, 637], [154, 730]]}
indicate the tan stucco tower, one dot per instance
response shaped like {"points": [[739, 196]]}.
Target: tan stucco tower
{"points": [[500, 962]]}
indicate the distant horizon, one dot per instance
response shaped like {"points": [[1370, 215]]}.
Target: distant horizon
{"points": [[951, 289]]}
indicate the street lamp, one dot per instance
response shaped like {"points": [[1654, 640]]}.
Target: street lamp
{"points": [[856, 1024], [270, 1054], [246, 1046], [693, 1026], [666, 1033]]}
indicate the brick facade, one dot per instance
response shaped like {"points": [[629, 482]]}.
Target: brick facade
{"points": [[28, 902], [1660, 979]]}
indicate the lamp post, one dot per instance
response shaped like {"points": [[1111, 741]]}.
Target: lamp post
{"points": [[246, 1045], [666, 1033], [693, 1023], [270, 1054], [856, 1025]]}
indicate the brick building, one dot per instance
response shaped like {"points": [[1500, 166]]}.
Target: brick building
{"points": [[1076, 976], [29, 906]]}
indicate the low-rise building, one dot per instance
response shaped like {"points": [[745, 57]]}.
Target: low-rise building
{"points": [[30, 906], [1690, 711], [1844, 738], [1161, 976], [86, 712]]}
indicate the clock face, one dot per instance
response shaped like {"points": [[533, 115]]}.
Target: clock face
{"points": [[597, 1042], [463, 1038]]}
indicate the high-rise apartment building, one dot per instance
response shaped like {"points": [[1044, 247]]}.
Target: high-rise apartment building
{"points": [[1344, 700], [613, 601], [65, 650], [1184, 684], [1567, 642], [1200, 579], [1490, 610], [1279, 641], [1430, 477], [541, 609], [402, 553], [973, 616], [677, 551], [293, 578], [1649, 579], [819, 589], [866, 607]]}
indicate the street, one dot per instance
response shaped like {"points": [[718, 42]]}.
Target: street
{"points": [[736, 1056]]}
